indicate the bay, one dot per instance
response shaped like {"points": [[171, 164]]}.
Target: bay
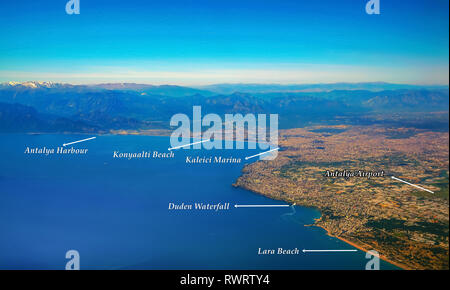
{"points": [[114, 212]]}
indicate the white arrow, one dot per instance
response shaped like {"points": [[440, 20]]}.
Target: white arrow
{"points": [[261, 205], [65, 144], [325, 251], [248, 157], [416, 186], [172, 148]]}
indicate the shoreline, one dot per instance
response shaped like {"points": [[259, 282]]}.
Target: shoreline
{"points": [[157, 133], [361, 248]]}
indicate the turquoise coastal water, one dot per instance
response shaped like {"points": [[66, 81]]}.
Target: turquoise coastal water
{"points": [[114, 212]]}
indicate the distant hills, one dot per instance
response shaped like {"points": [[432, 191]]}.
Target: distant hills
{"points": [[55, 107], [208, 90], [163, 90], [270, 88], [20, 118]]}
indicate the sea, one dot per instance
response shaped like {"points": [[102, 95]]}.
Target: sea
{"points": [[115, 211]]}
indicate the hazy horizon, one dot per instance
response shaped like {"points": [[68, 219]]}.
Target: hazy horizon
{"points": [[224, 83]]}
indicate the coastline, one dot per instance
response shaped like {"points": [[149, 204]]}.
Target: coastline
{"points": [[359, 247], [164, 133]]}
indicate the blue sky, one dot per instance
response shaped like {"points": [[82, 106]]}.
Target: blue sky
{"points": [[215, 41]]}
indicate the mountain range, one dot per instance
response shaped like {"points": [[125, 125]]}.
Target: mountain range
{"points": [[56, 107]]}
